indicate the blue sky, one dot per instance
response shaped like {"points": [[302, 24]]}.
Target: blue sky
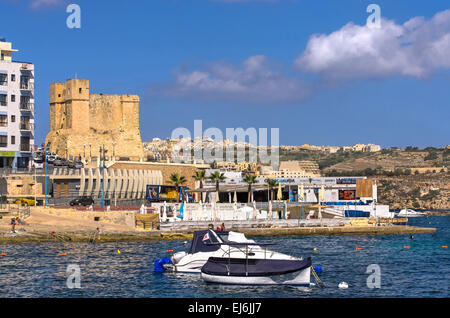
{"points": [[309, 68]]}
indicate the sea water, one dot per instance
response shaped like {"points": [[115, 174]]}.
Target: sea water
{"points": [[422, 270]]}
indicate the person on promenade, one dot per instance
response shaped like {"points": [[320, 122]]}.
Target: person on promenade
{"points": [[222, 227], [13, 225], [18, 222]]}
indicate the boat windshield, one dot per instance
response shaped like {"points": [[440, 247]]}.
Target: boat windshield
{"points": [[207, 241]]}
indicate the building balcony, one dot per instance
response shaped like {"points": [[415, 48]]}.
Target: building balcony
{"points": [[26, 126], [26, 107], [25, 148], [26, 86]]}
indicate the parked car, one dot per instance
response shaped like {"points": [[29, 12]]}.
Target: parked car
{"points": [[75, 164], [61, 162], [51, 159], [25, 201], [85, 201]]}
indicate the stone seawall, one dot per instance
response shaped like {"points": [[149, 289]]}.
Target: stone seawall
{"points": [[126, 218]]}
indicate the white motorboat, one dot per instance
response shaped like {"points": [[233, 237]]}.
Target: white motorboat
{"points": [[219, 248], [409, 213], [257, 271]]}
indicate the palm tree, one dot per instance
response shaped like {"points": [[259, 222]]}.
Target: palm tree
{"points": [[178, 181], [217, 177], [200, 175], [272, 183], [250, 179]]}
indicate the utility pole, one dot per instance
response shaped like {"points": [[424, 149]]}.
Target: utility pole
{"points": [[103, 178], [45, 175]]}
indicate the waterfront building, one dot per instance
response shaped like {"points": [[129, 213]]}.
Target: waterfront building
{"points": [[16, 109]]}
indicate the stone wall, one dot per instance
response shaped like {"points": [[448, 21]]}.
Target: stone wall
{"points": [[126, 218], [23, 185]]}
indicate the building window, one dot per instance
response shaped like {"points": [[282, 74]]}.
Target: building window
{"points": [[3, 120], [13, 118], [25, 143], [13, 140], [3, 79], [13, 77], [13, 98], [79, 90], [3, 100], [3, 141], [25, 123]]}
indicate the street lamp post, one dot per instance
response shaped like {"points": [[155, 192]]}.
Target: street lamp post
{"points": [[45, 175]]}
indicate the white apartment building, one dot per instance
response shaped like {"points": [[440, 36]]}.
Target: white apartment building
{"points": [[16, 109]]}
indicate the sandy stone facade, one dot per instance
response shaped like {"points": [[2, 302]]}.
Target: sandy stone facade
{"points": [[80, 122]]}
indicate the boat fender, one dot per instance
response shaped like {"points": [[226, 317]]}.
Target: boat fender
{"points": [[318, 269], [343, 285], [159, 264]]}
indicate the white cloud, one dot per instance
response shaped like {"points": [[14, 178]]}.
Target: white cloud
{"points": [[416, 48], [256, 79]]}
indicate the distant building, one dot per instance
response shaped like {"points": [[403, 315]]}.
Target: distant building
{"points": [[16, 109], [238, 167], [372, 148], [292, 169]]}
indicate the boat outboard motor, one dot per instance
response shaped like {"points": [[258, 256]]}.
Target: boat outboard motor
{"points": [[159, 264]]}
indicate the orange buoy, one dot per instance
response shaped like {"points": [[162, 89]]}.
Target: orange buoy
{"points": [[3, 254], [358, 249], [62, 254], [444, 246], [406, 246], [169, 251]]}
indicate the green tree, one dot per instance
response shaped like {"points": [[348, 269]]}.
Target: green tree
{"points": [[177, 181], [217, 177], [271, 183], [200, 175], [250, 179]]}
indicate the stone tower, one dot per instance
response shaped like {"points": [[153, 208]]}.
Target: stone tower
{"points": [[80, 122]]}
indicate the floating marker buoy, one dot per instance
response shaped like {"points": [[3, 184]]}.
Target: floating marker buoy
{"points": [[62, 254], [444, 246], [315, 249], [406, 246], [358, 249], [118, 252], [318, 269], [169, 251], [343, 285], [3, 254]]}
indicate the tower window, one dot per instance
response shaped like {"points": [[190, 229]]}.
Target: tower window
{"points": [[79, 90]]}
